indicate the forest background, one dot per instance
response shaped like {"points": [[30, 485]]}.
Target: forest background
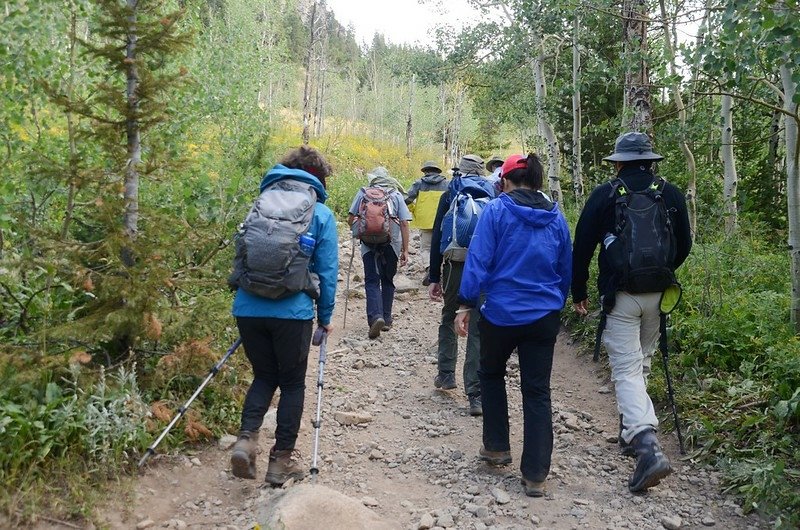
{"points": [[134, 133]]}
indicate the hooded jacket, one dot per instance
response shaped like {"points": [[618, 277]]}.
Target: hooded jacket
{"points": [[324, 262], [520, 258], [425, 193]]}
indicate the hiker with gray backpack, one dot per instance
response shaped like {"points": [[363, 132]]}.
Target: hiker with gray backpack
{"points": [[285, 273], [456, 217], [379, 220], [641, 224]]}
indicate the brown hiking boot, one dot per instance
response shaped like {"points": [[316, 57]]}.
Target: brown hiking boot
{"points": [[532, 488], [243, 459], [495, 458], [283, 465]]}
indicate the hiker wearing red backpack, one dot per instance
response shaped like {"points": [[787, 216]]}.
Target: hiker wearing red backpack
{"points": [[641, 223], [379, 219], [456, 217], [520, 259]]}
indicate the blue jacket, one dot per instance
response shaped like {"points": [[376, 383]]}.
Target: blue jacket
{"points": [[324, 261], [520, 258]]}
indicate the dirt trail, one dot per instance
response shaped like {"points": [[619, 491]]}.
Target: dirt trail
{"points": [[415, 462]]}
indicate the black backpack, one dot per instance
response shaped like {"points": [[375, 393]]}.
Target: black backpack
{"points": [[643, 253]]}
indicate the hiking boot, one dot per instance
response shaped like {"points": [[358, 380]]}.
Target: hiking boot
{"points": [[386, 327], [652, 464], [475, 406], [532, 488], [445, 380], [243, 457], [376, 327], [283, 465], [495, 458], [625, 449]]}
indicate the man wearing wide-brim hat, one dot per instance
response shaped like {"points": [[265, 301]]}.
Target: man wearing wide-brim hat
{"points": [[422, 200], [631, 317]]}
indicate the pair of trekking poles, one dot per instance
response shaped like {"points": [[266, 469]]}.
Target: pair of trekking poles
{"points": [[320, 339]]}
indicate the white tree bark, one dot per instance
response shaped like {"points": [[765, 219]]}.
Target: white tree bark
{"points": [[730, 177], [675, 87], [409, 117], [134, 145], [577, 164], [791, 119], [307, 84], [545, 129]]}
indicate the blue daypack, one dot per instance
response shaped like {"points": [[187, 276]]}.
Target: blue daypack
{"points": [[469, 197]]}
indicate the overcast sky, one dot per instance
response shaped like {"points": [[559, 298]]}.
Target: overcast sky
{"points": [[401, 21]]}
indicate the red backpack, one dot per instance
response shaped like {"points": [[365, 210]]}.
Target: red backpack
{"points": [[373, 222]]}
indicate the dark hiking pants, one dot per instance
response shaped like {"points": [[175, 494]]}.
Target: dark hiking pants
{"points": [[380, 266], [535, 343], [278, 352]]}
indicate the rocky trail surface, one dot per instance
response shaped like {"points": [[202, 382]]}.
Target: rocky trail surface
{"points": [[397, 453]]}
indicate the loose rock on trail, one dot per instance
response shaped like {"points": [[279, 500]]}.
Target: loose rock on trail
{"points": [[397, 453]]}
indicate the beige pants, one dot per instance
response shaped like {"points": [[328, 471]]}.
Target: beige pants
{"points": [[425, 237], [630, 338]]}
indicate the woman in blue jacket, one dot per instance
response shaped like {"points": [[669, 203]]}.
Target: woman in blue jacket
{"points": [[520, 259], [276, 334]]}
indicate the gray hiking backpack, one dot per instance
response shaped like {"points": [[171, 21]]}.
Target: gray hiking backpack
{"points": [[269, 261]]}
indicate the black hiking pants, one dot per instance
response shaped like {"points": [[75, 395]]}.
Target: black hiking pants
{"points": [[277, 349], [535, 343]]}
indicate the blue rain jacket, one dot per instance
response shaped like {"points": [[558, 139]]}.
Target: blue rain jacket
{"points": [[521, 259], [324, 261]]}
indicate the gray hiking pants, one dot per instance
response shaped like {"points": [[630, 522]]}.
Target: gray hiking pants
{"points": [[630, 337]]}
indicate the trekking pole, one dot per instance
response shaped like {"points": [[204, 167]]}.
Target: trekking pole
{"points": [[152, 449], [665, 356], [321, 340], [347, 286]]}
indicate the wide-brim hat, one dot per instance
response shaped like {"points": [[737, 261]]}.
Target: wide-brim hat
{"points": [[430, 164], [471, 164], [633, 146], [494, 161]]}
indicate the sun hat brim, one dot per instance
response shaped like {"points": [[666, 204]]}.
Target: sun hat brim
{"points": [[631, 156]]}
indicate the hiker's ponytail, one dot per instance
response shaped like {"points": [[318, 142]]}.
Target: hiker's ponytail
{"points": [[530, 176]]}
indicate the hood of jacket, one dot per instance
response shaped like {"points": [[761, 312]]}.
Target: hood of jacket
{"points": [[280, 172], [531, 208], [433, 178]]}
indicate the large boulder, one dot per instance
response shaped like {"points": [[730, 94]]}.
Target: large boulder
{"points": [[311, 507]]}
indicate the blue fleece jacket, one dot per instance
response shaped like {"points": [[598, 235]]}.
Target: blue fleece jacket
{"points": [[521, 259], [324, 261]]}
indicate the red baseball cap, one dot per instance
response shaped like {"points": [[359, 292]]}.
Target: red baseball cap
{"points": [[514, 162]]}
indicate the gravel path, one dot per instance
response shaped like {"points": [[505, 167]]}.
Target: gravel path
{"points": [[409, 452]]}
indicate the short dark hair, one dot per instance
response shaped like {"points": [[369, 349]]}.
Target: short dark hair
{"points": [[647, 164], [308, 159], [531, 175]]}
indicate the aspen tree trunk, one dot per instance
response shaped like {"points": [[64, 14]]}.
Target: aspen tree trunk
{"points": [[71, 134], [409, 124], [637, 114], [791, 120], [546, 130], [577, 164], [307, 85], [730, 178], [134, 147], [691, 166]]}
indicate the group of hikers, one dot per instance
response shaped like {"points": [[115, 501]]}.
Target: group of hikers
{"points": [[498, 254]]}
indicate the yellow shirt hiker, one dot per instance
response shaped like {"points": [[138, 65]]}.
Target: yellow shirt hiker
{"points": [[423, 201]]}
